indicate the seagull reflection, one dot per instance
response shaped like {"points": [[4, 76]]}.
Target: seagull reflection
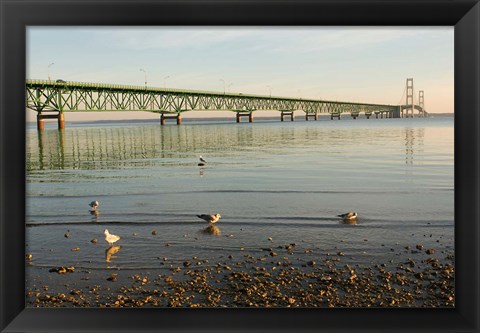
{"points": [[212, 230], [95, 214], [351, 222], [110, 251]]}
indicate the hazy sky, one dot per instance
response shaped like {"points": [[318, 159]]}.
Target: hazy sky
{"points": [[334, 63]]}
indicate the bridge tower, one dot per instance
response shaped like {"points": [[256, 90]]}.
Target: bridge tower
{"points": [[409, 102], [421, 102]]}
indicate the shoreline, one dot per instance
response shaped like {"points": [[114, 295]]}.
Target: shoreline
{"points": [[418, 277]]}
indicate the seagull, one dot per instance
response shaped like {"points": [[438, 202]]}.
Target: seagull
{"points": [[350, 216], [94, 205], [202, 160], [109, 238], [210, 218]]}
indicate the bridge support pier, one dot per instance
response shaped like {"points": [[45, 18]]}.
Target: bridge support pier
{"points": [[333, 115], [354, 115], [376, 114], [61, 121], [368, 115], [245, 114], [288, 113], [164, 117], [40, 123], [313, 115], [41, 120]]}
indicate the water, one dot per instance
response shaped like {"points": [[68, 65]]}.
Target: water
{"points": [[281, 180]]}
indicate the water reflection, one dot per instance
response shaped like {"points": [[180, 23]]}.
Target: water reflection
{"points": [[152, 145], [51, 149], [94, 214], [212, 230], [413, 143], [350, 222], [110, 251]]}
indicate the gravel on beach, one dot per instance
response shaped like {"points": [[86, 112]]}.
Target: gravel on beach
{"points": [[283, 280]]}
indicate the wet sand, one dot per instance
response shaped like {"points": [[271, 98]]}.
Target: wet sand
{"points": [[284, 275]]}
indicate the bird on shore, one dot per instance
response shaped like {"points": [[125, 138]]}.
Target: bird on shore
{"points": [[210, 218], [94, 205], [109, 238], [202, 159], [350, 216]]}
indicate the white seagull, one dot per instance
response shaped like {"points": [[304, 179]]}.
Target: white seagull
{"points": [[202, 160], [210, 218], [94, 205], [350, 216], [109, 238]]}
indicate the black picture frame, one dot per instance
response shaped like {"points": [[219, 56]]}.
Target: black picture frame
{"points": [[17, 15]]}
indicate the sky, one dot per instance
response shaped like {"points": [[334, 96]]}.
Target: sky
{"points": [[357, 64]]}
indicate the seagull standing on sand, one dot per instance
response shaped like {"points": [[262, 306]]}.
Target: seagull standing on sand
{"points": [[94, 205], [210, 218], [109, 238], [350, 216]]}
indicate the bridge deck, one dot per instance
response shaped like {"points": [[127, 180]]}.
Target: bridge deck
{"points": [[47, 97], [77, 96]]}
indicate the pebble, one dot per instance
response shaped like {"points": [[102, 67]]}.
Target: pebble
{"points": [[94, 241], [62, 270], [154, 232], [112, 278], [75, 249]]}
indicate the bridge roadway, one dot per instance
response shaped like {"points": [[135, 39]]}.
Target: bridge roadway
{"points": [[50, 99]]}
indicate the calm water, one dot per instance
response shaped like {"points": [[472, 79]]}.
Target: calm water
{"points": [[284, 180]]}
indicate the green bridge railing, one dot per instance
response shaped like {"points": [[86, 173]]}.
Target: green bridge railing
{"points": [[60, 96]]}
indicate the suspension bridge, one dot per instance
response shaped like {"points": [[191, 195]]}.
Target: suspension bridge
{"points": [[51, 99]]}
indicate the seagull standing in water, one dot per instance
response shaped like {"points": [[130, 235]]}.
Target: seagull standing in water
{"points": [[94, 205], [109, 238], [210, 218], [202, 159], [350, 216]]}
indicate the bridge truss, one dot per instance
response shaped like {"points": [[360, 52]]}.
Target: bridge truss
{"points": [[50, 99]]}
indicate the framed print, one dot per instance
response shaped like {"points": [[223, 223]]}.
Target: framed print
{"points": [[239, 166]]}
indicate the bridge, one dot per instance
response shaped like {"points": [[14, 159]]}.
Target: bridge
{"points": [[51, 99]]}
